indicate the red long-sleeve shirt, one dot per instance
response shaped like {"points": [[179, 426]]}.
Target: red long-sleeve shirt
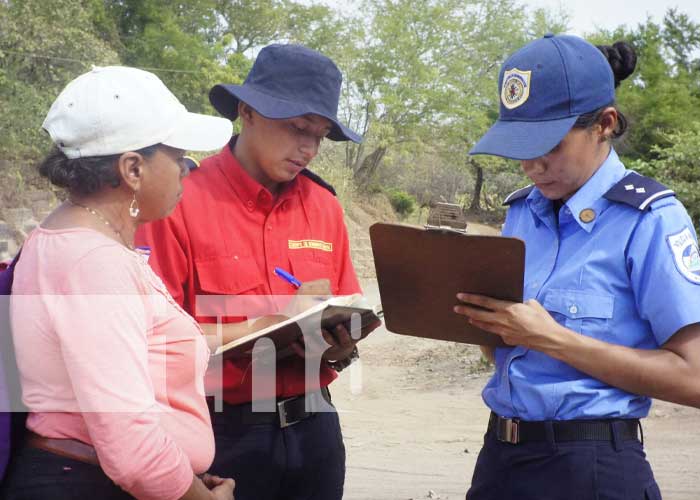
{"points": [[226, 237]]}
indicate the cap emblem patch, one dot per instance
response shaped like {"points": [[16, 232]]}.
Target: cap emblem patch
{"points": [[516, 88]]}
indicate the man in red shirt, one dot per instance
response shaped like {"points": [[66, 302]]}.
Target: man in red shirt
{"points": [[246, 210]]}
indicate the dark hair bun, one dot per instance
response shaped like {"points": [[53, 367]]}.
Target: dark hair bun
{"points": [[83, 176], [622, 59]]}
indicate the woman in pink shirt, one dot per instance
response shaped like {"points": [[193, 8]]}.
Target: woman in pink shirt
{"points": [[111, 367]]}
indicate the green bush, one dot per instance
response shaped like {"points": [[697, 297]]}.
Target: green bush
{"points": [[678, 166], [402, 202]]}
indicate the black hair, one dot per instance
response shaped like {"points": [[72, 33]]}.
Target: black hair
{"points": [[85, 176], [622, 59]]}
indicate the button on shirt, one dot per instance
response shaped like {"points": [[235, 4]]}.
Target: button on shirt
{"points": [[226, 237], [613, 278]]}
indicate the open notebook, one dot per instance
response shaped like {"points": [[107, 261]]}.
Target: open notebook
{"points": [[348, 310]]}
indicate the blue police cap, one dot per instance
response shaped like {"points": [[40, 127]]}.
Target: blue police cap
{"points": [[544, 87]]}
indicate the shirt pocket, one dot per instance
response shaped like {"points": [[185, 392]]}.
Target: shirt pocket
{"points": [[223, 280], [306, 268], [586, 312]]}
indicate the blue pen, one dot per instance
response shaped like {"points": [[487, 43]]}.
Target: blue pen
{"points": [[287, 277]]}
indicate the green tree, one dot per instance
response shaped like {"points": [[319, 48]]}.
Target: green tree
{"points": [[396, 83], [198, 43], [43, 45], [402, 202], [249, 25], [682, 37], [427, 75], [678, 166], [176, 40], [665, 85], [474, 95]]}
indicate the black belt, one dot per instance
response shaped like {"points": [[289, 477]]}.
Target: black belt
{"points": [[288, 411], [514, 431]]}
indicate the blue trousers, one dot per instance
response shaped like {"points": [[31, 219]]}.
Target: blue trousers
{"points": [[576, 470], [35, 474], [305, 461]]}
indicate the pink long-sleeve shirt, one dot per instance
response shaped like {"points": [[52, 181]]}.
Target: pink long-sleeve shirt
{"points": [[107, 357]]}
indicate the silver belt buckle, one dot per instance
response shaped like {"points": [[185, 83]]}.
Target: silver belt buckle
{"points": [[313, 402], [282, 411], [508, 430]]}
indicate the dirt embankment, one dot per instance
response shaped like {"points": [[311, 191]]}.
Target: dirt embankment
{"points": [[362, 212]]}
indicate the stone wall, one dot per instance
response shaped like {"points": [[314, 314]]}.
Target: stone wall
{"points": [[17, 222]]}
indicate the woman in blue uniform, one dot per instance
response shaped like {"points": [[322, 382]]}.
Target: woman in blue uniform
{"points": [[611, 316]]}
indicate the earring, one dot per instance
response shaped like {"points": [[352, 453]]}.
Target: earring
{"points": [[134, 208]]}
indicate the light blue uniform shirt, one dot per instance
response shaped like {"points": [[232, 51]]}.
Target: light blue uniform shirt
{"points": [[617, 278]]}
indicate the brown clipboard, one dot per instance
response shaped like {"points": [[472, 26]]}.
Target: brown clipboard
{"points": [[420, 271]]}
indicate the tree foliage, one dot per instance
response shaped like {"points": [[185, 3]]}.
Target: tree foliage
{"points": [[402, 202], [665, 85], [426, 78], [43, 45], [420, 77], [678, 166]]}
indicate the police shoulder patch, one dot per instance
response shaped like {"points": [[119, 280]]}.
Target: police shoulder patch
{"points": [[685, 254], [638, 191], [517, 195]]}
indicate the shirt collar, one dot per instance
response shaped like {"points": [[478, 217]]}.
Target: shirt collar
{"points": [[588, 197], [249, 191]]}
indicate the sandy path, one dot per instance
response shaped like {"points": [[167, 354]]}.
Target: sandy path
{"points": [[413, 422]]}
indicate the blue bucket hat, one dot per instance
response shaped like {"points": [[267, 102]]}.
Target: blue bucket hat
{"points": [[287, 81], [544, 87]]}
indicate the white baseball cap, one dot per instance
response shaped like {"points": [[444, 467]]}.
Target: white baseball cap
{"points": [[115, 109]]}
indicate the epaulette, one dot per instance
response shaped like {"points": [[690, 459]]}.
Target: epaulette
{"points": [[520, 193], [317, 179], [190, 162], [638, 191]]}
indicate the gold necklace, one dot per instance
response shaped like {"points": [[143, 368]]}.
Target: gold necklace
{"points": [[104, 220]]}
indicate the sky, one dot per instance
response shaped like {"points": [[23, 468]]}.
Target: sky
{"points": [[587, 15]]}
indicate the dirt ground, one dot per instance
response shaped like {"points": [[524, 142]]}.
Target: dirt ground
{"points": [[413, 422]]}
